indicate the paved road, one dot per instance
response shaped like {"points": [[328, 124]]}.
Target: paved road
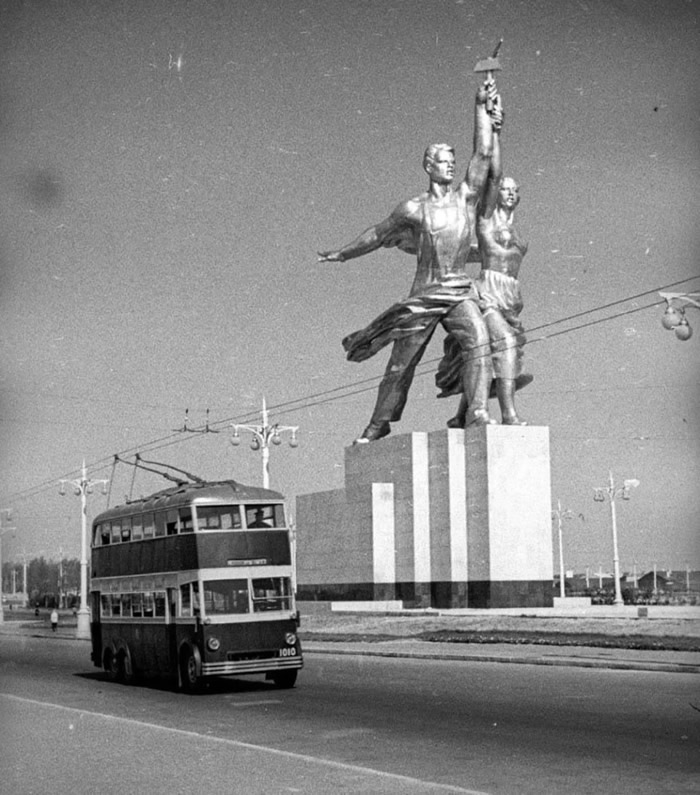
{"points": [[353, 724]]}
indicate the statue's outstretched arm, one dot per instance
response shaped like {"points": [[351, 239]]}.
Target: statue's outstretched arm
{"points": [[370, 240]]}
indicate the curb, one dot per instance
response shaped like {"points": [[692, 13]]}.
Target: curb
{"points": [[569, 661]]}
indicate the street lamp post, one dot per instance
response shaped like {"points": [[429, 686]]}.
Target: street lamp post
{"points": [[83, 486], [5, 514], [560, 515], [262, 436], [599, 493]]}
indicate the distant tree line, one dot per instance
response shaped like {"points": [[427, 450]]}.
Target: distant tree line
{"points": [[49, 583]]}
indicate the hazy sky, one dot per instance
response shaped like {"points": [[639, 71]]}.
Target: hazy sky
{"points": [[169, 169]]}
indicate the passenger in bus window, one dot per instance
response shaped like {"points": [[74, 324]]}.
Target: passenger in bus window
{"points": [[259, 520]]}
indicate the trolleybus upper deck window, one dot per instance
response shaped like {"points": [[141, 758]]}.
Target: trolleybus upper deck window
{"points": [[137, 528], [264, 516], [219, 517]]}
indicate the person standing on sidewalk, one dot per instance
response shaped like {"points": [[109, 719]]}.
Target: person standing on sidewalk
{"points": [[54, 619]]}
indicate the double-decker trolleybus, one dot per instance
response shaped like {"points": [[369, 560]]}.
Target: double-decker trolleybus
{"points": [[192, 582]]}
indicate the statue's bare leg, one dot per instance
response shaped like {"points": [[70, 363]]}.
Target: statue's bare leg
{"points": [[505, 349], [505, 390]]}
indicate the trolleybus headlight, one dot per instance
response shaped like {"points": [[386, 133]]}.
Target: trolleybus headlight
{"points": [[213, 643], [291, 638]]}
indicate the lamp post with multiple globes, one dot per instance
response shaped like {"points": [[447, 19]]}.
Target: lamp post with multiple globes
{"points": [[264, 435], [612, 492], [83, 486]]}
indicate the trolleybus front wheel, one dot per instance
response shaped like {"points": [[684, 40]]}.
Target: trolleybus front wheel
{"points": [[190, 670], [284, 679]]}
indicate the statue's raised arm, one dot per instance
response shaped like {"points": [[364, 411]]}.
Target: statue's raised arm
{"points": [[476, 177], [488, 119]]}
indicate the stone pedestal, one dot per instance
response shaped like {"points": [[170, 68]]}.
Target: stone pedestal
{"points": [[447, 519]]}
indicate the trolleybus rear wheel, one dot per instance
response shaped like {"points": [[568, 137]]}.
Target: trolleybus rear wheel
{"points": [[111, 666], [126, 671]]}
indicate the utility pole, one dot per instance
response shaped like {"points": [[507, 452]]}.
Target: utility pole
{"points": [[25, 566], [5, 515], [262, 436], [83, 486], [293, 551], [599, 493], [60, 577]]}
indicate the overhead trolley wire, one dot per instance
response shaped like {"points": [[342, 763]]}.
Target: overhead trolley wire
{"points": [[356, 388]]}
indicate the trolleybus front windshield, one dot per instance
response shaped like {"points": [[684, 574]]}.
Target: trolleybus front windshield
{"points": [[230, 517]]}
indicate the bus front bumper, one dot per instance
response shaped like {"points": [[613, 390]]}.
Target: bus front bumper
{"points": [[251, 666]]}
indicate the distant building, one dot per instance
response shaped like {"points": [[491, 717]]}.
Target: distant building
{"points": [[649, 581], [677, 581]]}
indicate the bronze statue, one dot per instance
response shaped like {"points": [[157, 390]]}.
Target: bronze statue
{"points": [[502, 250], [437, 227]]}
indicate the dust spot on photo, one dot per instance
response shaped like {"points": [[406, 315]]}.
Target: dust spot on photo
{"points": [[43, 187]]}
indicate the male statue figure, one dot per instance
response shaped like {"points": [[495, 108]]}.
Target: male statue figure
{"points": [[438, 227]]}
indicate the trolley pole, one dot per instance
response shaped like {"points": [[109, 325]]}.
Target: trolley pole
{"points": [[263, 435], [599, 496], [83, 486]]}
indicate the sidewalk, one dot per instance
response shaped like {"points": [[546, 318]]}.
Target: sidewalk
{"points": [[566, 609], [517, 653], [40, 628]]}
